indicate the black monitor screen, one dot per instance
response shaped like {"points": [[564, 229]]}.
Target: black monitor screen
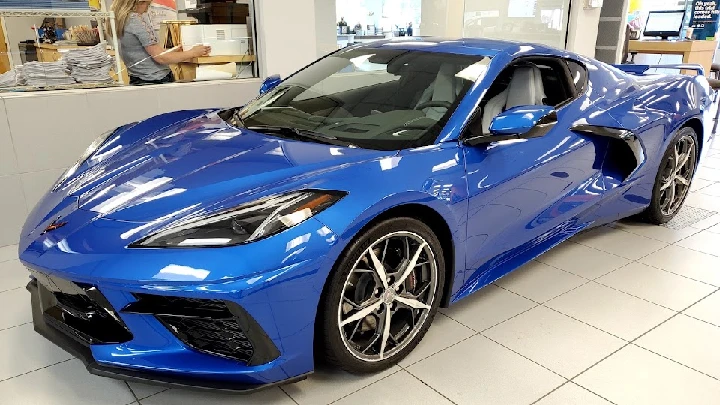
{"points": [[664, 23]]}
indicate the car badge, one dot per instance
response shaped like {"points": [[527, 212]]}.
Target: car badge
{"points": [[53, 226]]}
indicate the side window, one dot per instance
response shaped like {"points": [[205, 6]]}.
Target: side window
{"points": [[528, 81], [579, 76]]}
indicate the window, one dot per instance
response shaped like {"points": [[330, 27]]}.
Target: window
{"points": [[528, 81], [579, 76], [74, 46], [383, 99]]}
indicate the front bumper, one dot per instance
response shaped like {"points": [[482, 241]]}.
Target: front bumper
{"points": [[77, 344]]}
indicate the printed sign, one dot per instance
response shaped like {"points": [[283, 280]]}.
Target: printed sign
{"points": [[162, 10], [704, 12]]}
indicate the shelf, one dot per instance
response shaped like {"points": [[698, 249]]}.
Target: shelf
{"points": [[222, 59], [76, 86], [54, 13]]}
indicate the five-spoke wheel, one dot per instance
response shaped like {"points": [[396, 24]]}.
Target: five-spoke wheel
{"points": [[383, 295], [674, 177]]}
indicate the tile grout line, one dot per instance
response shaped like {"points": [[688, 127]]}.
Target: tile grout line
{"points": [[675, 361], [551, 391], [678, 274], [11, 289], [635, 296], [526, 358], [442, 350], [695, 250], [585, 323], [37, 369], [15, 326], [156, 393], [569, 382], [288, 395], [132, 392], [361, 388], [631, 342], [429, 386], [592, 392]]}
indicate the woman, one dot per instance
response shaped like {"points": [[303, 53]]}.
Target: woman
{"points": [[146, 60]]}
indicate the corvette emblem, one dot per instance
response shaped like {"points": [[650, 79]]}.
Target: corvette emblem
{"points": [[54, 225]]}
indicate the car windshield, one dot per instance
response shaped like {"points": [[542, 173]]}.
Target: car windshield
{"points": [[385, 99]]}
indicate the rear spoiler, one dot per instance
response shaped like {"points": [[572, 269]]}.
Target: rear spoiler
{"points": [[641, 69]]}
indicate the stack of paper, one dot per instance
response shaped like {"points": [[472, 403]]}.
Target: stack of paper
{"points": [[12, 78], [90, 65], [44, 74]]}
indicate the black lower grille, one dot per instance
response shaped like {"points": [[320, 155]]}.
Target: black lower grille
{"points": [[217, 327], [80, 311], [223, 337]]}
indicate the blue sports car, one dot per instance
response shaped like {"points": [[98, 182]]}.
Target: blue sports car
{"points": [[329, 218]]}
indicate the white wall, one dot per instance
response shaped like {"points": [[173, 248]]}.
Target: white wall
{"points": [[286, 35], [582, 28], [325, 27], [41, 134]]}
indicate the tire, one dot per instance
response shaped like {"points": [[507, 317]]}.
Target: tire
{"points": [[672, 183], [354, 287]]}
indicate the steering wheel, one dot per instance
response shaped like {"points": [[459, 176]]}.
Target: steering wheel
{"points": [[438, 103]]}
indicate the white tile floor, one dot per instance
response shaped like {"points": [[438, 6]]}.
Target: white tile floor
{"points": [[625, 314]]}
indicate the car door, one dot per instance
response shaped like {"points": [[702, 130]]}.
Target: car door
{"points": [[526, 195]]}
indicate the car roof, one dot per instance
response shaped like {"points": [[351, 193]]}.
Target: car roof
{"points": [[460, 46]]}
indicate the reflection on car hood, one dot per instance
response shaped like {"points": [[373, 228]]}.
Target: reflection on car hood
{"points": [[200, 162]]}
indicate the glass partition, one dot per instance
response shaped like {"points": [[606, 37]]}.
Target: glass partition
{"points": [[539, 21], [68, 44]]}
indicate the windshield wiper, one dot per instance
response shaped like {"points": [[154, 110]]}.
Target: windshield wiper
{"points": [[237, 118], [300, 133]]}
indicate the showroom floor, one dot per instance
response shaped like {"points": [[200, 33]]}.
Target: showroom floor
{"points": [[624, 314]]}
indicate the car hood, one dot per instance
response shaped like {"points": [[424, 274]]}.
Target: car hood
{"points": [[202, 163]]}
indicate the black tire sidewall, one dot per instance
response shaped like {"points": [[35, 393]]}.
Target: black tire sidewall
{"points": [[654, 214], [335, 351]]}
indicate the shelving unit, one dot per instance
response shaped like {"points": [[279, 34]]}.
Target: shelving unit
{"points": [[60, 13]]}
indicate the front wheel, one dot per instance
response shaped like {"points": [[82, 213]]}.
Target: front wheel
{"points": [[382, 296], [674, 177]]}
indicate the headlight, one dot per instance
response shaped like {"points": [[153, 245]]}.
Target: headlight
{"points": [[94, 146], [246, 223]]}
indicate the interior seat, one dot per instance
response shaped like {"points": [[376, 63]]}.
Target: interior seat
{"points": [[525, 88], [446, 87]]}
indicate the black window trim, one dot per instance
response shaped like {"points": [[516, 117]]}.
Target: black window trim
{"points": [[519, 60]]}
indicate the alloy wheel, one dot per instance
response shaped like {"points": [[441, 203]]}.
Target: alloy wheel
{"points": [[677, 175], [387, 296]]}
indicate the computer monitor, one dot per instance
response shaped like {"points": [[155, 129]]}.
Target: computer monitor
{"points": [[664, 24]]}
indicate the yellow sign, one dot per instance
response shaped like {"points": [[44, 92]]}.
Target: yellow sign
{"points": [[95, 4], [635, 5]]}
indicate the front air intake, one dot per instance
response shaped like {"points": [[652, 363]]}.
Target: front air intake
{"points": [[217, 327], [80, 311]]}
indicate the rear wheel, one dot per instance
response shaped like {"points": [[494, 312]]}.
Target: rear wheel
{"points": [[382, 296], [674, 177]]}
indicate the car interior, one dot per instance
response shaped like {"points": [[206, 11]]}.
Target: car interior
{"points": [[411, 96], [532, 81]]}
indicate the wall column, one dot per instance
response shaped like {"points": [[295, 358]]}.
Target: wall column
{"points": [[583, 28]]}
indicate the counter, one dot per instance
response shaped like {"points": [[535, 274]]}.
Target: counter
{"points": [[43, 133]]}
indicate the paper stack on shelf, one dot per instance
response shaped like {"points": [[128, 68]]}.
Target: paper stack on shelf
{"points": [[11, 78], [44, 74], [90, 65]]}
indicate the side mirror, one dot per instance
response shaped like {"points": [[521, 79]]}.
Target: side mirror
{"points": [[521, 122], [270, 83]]}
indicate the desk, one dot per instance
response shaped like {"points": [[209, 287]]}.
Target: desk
{"points": [[699, 52], [187, 71], [51, 53]]}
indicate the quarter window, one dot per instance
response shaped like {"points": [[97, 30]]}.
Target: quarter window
{"points": [[579, 76]]}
